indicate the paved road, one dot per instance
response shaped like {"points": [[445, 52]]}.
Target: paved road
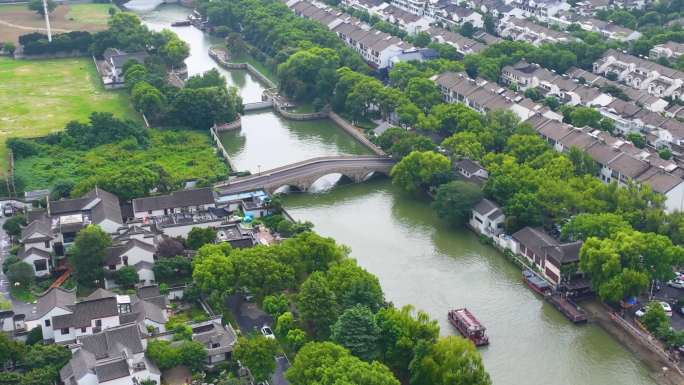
{"points": [[284, 175]]}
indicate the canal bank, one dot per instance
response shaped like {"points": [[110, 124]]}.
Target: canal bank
{"points": [[421, 261], [417, 258]]}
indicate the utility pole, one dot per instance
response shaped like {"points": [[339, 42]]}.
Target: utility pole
{"points": [[47, 20]]}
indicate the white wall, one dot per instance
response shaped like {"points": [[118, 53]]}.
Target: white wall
{"points": [[48, 332], [675, 199]]}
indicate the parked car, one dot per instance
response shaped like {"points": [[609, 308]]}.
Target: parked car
{"points": [[676, 283], [267, 332], [666, 307]]}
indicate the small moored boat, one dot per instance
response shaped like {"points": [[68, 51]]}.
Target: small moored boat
{"points": [[538, 284], [468, 326]]}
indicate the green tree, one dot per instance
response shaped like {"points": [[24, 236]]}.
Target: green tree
{"points": [[418, 170], [464, 144], [325, 363], [213, 270], [275, 305], [295, 339], [126, 276], [401, 331], [199, 237], [357, 330], [20, 273], [601, 225], [308, 252], [423, 93], [61, 189], [284, 323], [454, 201], [258, 354], [317, 305], [467, 29], [201, 108], [88, 254], [452, 360], [12, 226], [192, 354], [9, 47], [40, 376], [654, 318], [148, 99], [41, 356], [175, 51], [162, 354], [38, 7], [352, 285], [585, 116], [10, 351]]}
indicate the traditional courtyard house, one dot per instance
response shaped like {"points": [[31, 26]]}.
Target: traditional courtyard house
{"points": [[52, 303], [111, 69], [115, 356], [541, 9], [134, 253], [656, 79], [184, 201], [472, 171], [670, 50], [487, 218], [218, 340]]}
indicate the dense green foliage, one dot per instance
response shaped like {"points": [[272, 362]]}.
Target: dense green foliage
{"points": [[88, 254], [167, 355], [125, 167], [450, 361], [454, 201], [40, 363], [258, 355], [325, 363], [199, 237]]}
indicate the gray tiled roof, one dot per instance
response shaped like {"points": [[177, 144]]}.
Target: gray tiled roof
{"points": [[485, 206], [112, 370], [53, 298], [111, 342], [181, 198], [100, 203], [85, 312], [469, 165], [40, 226]]}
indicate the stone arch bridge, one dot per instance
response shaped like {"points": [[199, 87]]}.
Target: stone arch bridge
{"points": [[302, 175]]}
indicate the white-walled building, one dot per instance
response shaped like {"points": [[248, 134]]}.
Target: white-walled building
{"points": [[183, 201], [53, 303], [115, 356], [487, 218]]}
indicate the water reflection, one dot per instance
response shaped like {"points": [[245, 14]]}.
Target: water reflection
{"points": [[420, 260]]}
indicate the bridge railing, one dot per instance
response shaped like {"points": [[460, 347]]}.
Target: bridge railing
{"points": [[296, 165]]}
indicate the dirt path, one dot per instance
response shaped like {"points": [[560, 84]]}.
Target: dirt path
{"points": [[654, 361], [8, 24]]}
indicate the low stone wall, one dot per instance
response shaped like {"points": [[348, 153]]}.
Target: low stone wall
{"points": [[234, 125], [222, 59], [222, 151], [298, 116], [356, 133]]}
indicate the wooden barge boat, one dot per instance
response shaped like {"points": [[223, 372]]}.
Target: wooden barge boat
{"points": [[538, 284], [181, 23], [469, 327], [568, 307]]}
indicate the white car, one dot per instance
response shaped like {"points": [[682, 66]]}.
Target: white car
{"points": [[268, 333], [666, 307], [676, 283]]}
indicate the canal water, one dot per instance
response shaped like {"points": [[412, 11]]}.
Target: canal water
{"points": [[421, 261], [263, 133], [418, 259]]}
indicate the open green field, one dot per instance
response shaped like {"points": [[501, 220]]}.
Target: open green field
{"points": [[40, 96], [97, 14]]}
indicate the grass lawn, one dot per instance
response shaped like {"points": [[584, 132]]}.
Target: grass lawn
{"points": [[22, 294], [17, 19], [96, 14], [40, 96]]}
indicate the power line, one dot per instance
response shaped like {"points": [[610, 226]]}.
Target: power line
{"points": [[47, 20]]}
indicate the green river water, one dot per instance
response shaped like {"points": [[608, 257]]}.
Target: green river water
{"points": [[418, 259]]}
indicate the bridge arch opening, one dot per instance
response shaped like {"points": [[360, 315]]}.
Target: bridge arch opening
{"points": [[329, 181], [286, 189], [375, 175]]}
